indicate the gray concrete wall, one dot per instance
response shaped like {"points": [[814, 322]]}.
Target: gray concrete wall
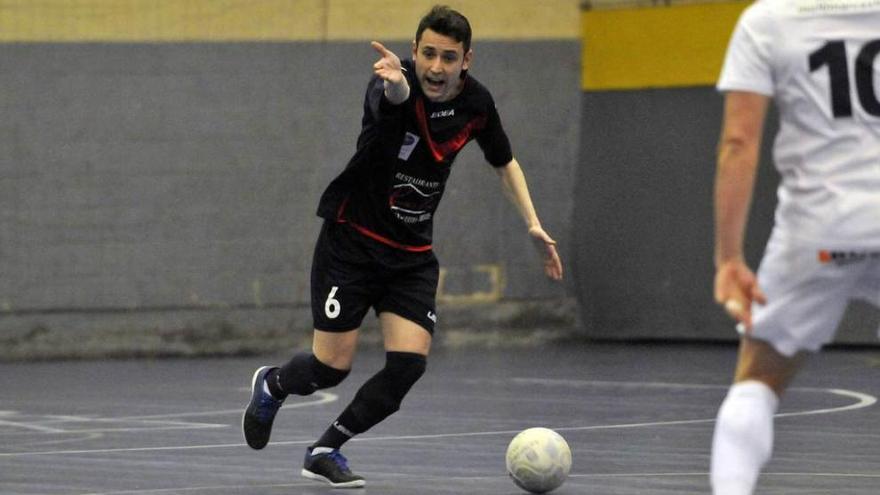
{"points": [[151, 188], [642, 220]]}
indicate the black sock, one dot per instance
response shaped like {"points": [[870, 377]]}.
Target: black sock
{"points": [[377, 399], [302, 375], [272, 384], [335, 436]]}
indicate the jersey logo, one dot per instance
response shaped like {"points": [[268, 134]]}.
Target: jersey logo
{"points": [[443, 113], [409, 144], [411, 204], [841, 258]]}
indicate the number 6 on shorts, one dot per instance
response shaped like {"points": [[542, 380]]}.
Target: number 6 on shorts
{"points": [[332, 306]]}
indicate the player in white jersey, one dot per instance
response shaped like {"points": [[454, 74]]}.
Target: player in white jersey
{"points": [[819, 61]]}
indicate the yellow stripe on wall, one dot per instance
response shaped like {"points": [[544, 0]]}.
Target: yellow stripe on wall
{"points": [[159, 20], [656, 47], [272, 20], [504, 20]]}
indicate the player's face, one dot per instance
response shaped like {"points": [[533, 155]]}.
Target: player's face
{"points": [[439, 61]]}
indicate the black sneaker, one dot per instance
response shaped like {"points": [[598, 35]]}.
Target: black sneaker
{"points": [[330, 466], [256, 423]]}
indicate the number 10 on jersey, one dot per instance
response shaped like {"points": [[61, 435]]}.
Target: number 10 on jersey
{"points": [[833, 54]]}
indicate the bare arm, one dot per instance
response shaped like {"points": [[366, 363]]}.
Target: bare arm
{"points": [[513, 183], [735, 284], [389, 69]]}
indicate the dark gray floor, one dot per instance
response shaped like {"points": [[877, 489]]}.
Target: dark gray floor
{"points": [[638, 419]]}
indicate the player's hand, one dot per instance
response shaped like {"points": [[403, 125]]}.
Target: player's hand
{"points": [[736, 288], [547, 248], [388, 66]]}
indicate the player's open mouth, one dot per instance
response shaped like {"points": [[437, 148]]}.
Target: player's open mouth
{"points": [[435, 84]]}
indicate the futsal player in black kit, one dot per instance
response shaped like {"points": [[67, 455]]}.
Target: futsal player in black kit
{"points": [[374, 249]]}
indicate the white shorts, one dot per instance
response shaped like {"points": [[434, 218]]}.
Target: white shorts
{"points": [[808, 290]]}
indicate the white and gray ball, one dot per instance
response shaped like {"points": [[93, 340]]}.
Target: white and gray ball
{"points": [[538, 460]]}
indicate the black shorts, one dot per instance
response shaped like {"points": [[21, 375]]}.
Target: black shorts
{"points": [[351, 273]]}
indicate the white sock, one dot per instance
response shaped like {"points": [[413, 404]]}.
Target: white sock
{"points": [[743, 439]]}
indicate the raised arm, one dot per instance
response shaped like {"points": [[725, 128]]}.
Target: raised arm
{"points": [[513, 183], [736, 286], [388, 68]]}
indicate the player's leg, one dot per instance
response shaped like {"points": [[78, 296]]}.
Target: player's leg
{"points": [[743, 438], [326, 366], [341, 294], [806, 297], [758, 360], [407, 313], [406, 348]]}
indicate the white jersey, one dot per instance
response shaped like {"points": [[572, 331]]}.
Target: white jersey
{"points": [[820, 61]]}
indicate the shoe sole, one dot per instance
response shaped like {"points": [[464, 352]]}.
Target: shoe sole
{"points": [[253, 384], [348, 484]]}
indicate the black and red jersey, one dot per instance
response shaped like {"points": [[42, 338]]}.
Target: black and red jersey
{"points": [[390, 189]]}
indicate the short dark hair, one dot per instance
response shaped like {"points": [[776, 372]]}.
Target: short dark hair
{"points": [[448, 22]]}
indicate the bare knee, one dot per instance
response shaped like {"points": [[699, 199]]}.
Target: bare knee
{"points": [[403, 335], [760, 361], [335, 349]]}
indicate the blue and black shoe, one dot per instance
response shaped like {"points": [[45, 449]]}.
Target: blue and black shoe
{"points": [[256, 423], [330, 466]]}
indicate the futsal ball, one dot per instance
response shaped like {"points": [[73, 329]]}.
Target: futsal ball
{"points": [[538, 460]]}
